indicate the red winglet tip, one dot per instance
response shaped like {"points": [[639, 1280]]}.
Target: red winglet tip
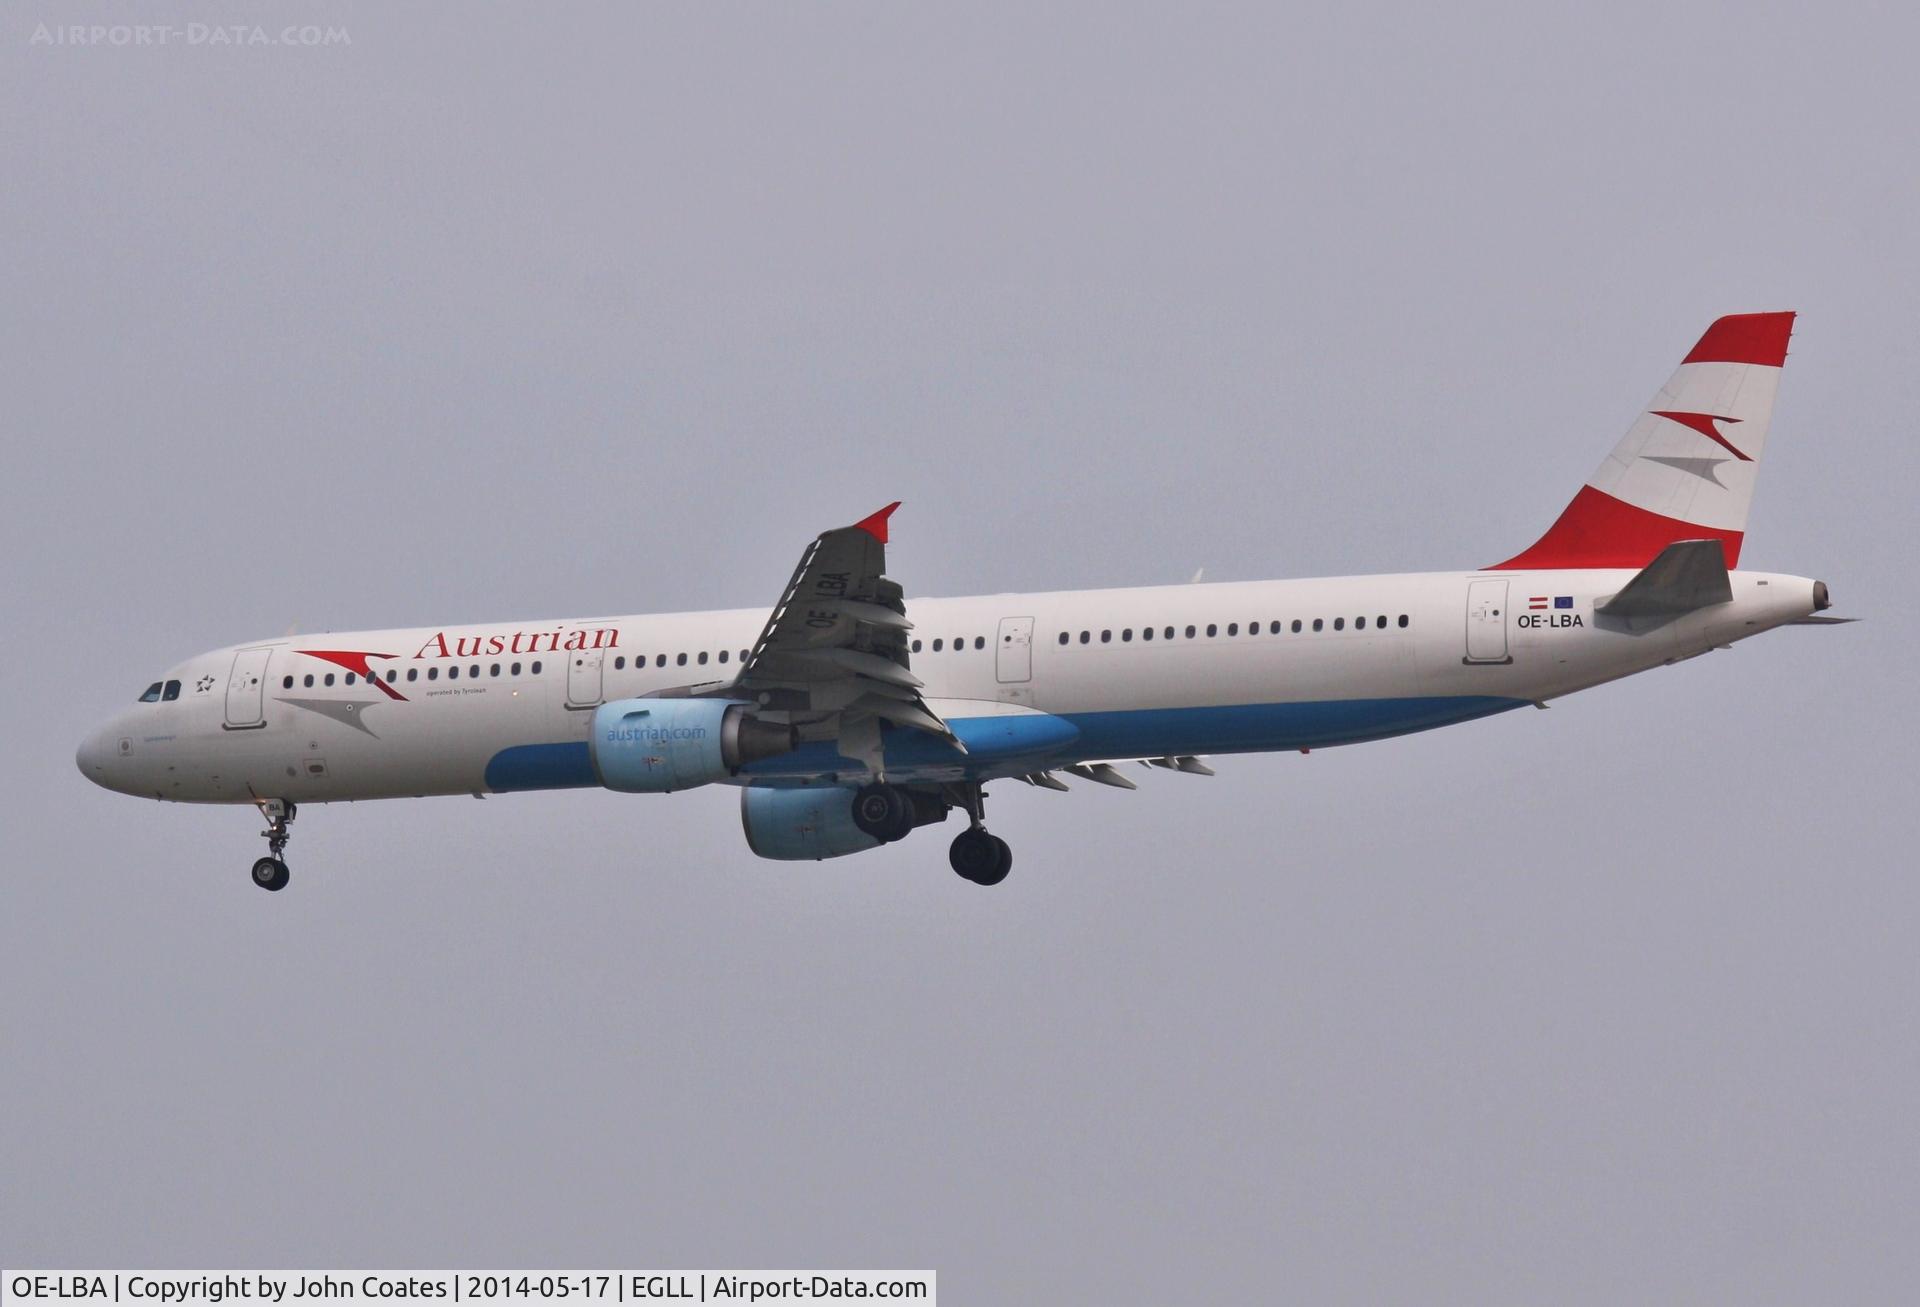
{"points": [[1759, 338], [875, 525]]}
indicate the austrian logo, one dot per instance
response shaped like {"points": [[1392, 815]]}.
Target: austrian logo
{"points": [[1704, 424]]}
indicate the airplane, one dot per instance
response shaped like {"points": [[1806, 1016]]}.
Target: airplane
{"points": [[849, 717]]}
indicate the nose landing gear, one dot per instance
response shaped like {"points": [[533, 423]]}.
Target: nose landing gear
{"points": [[270, 872]]}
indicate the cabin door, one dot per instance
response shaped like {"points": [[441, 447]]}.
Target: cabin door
{"points": [[247, 690], [1487, 622]]}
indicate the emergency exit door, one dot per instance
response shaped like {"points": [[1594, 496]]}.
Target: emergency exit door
{"points": [[583, 678], [1013, 656]]}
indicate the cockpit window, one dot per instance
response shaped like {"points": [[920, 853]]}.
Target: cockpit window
{"points": [[172, 691], [152, 694]]}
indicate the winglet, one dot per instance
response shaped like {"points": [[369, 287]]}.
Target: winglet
{"points": [[875, 525]]}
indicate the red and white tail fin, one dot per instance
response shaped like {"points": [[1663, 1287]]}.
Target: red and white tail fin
{"points": [[1685, 470]]}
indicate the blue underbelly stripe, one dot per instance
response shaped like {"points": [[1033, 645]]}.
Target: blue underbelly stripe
{"points": [[1241, 728], [1136, 733], [541, 767]]}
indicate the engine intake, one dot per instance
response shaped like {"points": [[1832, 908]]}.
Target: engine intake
{"points": [[803, 824], [657, 746]]}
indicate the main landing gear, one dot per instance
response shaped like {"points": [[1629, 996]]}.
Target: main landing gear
{"points": [[884, 812], [975, 854], [890, 812], [270, 873]]}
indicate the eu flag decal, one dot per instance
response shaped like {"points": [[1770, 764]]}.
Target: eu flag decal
{"points": [[1563, 601]]}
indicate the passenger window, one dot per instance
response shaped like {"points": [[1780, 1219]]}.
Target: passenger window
{"points": [[938, 644], [723, 655], [1146, 633], [511, 671], [171, 693], [1085, 636], [679, 660], [1339, 623], [702, 659], [392, 676], [286, 683], [1318, 623], [1212, 630], [1403, 620], [535, 669], [1106, 637], [979, 641], [349, 678], [619, 665], [1063, 640], [1233, 628], [1380, 622], [916, 643], [495, 669], [660, 661], [1169, 633], [474, 670], [413, 673], [433, 673], [1126, 636], [453, 674], [744, 655], [328, 679]]}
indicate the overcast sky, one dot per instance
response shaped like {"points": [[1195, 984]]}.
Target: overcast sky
{"points": [[565, 311]]}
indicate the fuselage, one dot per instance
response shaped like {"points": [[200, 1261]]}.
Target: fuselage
{"points": [[1135, 673]]}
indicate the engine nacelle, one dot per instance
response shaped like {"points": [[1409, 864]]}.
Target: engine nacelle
{"points": [[805, 824], [656, 746]]}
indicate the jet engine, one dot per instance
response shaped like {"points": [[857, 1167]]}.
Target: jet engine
{"points": [[802, 824], [656, 746]]}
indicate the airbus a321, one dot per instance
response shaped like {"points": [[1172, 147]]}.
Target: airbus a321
{"points": [[849, 716]]}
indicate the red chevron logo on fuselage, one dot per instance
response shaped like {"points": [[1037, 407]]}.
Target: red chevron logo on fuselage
{"points": [[355, 661], [1703, 423]]}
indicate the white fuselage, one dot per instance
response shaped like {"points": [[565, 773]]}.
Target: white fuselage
{"points": [[1268, 665]]}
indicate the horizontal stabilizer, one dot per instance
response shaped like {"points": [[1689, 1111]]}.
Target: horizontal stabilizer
{"points": [[1685, 576], [1821, 621]]}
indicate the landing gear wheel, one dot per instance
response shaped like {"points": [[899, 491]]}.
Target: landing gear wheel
{"points": [[883, 811], [904, 820], [1003, 863], [270, 874], [979, 857]]}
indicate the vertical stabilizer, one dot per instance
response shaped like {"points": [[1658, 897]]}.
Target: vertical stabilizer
{"points": [[1685, 469]]}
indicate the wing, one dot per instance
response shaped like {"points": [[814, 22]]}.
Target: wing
{"points": [[832, 660]]}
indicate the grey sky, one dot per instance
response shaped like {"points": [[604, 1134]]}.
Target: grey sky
{"points": [[610, 309]]}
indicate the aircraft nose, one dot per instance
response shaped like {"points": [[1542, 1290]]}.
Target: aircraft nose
{"points": [[93, 755]]}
